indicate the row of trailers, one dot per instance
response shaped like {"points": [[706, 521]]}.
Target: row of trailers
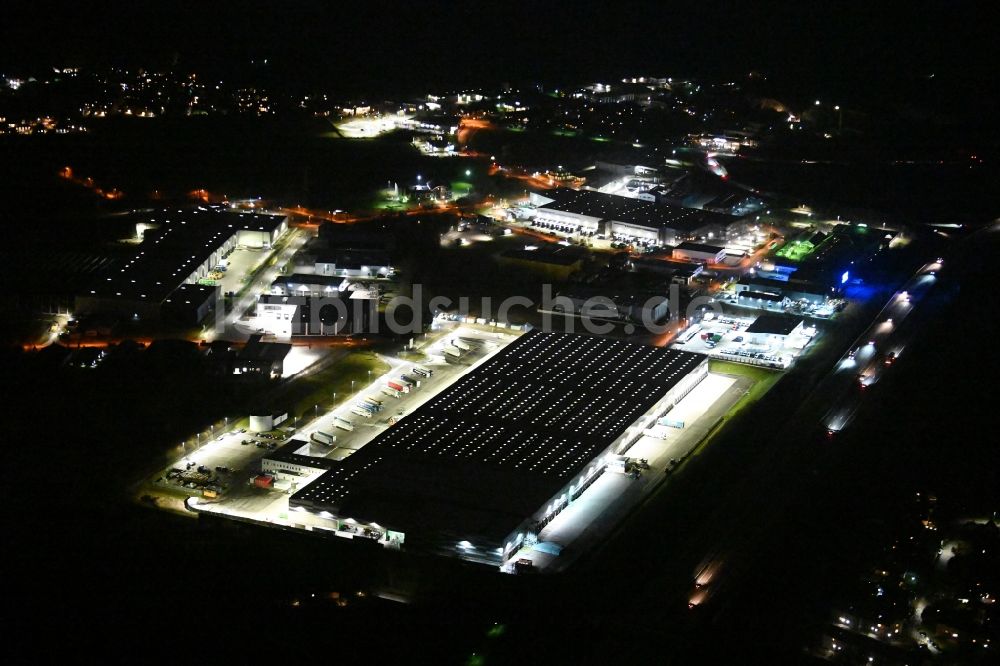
{"points": [[369, 406]]}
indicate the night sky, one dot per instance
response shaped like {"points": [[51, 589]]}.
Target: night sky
{"points": [[384, 47]]}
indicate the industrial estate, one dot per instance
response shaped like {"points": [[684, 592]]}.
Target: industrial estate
{"points": [[489, 327], [513, 437]]}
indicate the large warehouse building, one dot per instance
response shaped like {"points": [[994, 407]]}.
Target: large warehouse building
{"points": [[481, 467], [699, 252], [625, 218], [175, 249]]}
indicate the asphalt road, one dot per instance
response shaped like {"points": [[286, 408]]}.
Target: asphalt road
{"points": [[234, 328]]}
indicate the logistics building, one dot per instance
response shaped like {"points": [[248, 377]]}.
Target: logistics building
{"points": [[297, 457], [626, 218], [175, 250], [558, 264], [262, 359], [792, 289], [774, 329], [335, 312], [481, 467], [355, 263], [597, 303], [699, 252]]}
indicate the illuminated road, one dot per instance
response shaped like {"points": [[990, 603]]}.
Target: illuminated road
{"points": [[776, 448], [234, 326], [342, 218], [876, 350]]}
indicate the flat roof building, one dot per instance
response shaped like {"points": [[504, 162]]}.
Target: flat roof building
{"points": [[307, 284], [557, 264], [792, 289], [314, 310], [176, 247], [627, 218], [680, 272], [594, 302], [355, 263], [774, 328], [699, 252], [298, 457], [265, 359], [491, 459]]}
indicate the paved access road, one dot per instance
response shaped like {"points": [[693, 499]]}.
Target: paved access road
{"points": [[235, 327]]}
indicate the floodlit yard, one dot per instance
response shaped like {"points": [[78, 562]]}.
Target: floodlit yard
{"points": [[763, 379]]}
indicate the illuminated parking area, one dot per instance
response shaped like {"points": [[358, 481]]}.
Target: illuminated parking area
{"points": [[660, 442], [497, 445], [772, 341], [352, 432], [508, 445], [240, 264], [341, 432], [369, 127]]}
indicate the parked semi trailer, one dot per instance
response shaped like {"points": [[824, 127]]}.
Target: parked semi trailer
{"points": [[390, 392], [397, 386], [323, 438], [361, 412], [342, 423]]}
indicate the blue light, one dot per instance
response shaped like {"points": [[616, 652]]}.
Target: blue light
{"points": [[845, 277]]}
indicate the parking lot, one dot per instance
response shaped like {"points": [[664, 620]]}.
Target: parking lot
{"points": [[219, 465], [240, 263], [354, 430], [725, 338], [226, 465]]}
